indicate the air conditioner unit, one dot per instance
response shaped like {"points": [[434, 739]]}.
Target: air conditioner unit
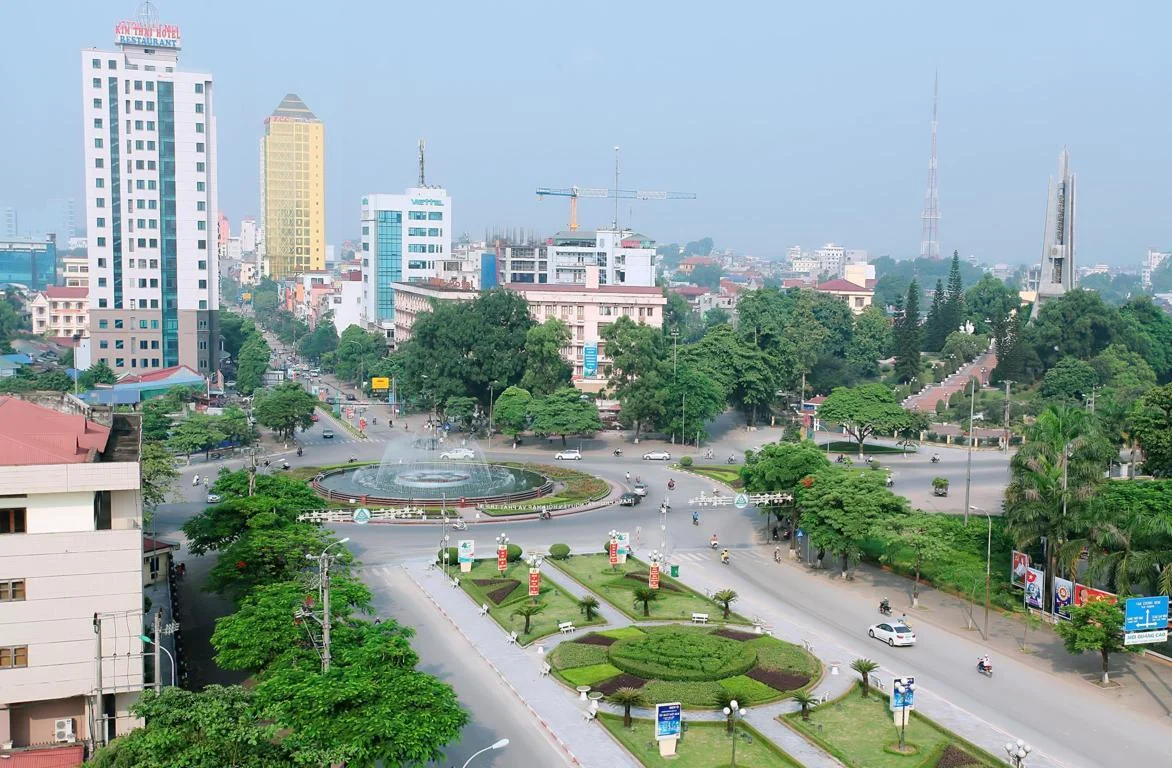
{"points": [[63, 730]]}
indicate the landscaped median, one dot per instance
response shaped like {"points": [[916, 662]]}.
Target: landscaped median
{"points": [[573, 489], [619, 585], [729, 474], [860, 733], [507, 598], [694, 665], [705, 744]]}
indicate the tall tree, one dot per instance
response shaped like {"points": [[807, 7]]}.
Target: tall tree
{"points": [[198, 432], [511, 411], [284, 408], [358, 354], [98, 373], [690, 401], [842, 508], [907, 337], [922, 536], [157, 468], [935, 329], [252, 363], [546, 370], [870, 341], [322, 340], [636, 370], [564, 412], [780, 468], [1152, 420], [953, 313], [863, 410], [988, 301], [1098, 627]]}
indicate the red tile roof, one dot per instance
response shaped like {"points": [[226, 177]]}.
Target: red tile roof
{"points": [[33, 434], [65, 292], [795, 282], [154, 545], [698, 261], [159, 375], [842, 286], [53, 757], [689, 290]]}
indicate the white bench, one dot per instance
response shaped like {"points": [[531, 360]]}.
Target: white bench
{"points": [[455, 582], [589, 714], [546, 669], [699, 618], [566, 627], [484, 609], [877, 682], [511, 638]]}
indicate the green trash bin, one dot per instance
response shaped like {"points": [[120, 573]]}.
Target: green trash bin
{"points": [[675, 571]]}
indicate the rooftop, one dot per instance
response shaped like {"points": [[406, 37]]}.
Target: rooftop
{"points": [[33, 434], [609, 290], [437, 284], [841, 286], [293, 108], [64, 292]]}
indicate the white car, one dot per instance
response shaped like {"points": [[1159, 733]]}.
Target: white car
{"points": [[893, 633], [458, 453], [214, 498], [657, 456], [571, 454]]}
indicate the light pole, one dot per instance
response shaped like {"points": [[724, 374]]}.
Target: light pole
{"points": [[1018, 751], [491, 391], [988, 557], [498, 745], [905, 691], [968, 472], [324, 561], [734, 712], [162, 648]]}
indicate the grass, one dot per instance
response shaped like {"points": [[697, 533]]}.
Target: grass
{"points": [[560, 605], [704, 745], [851, 449], [595, 673], [623, 633], [776, 654], [576, 488], [858, 731], [729, 474], [676, 601]]}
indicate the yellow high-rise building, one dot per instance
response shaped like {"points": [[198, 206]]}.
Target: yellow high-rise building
{"points": [[293, 190]]}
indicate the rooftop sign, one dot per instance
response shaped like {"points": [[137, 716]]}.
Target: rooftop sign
{"points": [[426, 201], [146, 35]]}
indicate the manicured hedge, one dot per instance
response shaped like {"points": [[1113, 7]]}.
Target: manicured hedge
{"points": [[570, 655], [559, 551], [678, 655]]}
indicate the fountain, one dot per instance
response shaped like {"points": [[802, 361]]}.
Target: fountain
{"points": [[432, 470]]}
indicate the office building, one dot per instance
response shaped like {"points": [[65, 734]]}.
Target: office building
{"points": [[61, 219], [1153, 262], [9, 223], [248, 235], [622, 257], [403, 236], [293, 190], [413, 299], [71, 585], [28, 262], [74, 272], [528, 263], [151, 210]]}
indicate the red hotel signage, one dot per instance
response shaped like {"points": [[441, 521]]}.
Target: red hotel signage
{"points": [[614, 552], [534, 582], [653, 578], [502, 559]]}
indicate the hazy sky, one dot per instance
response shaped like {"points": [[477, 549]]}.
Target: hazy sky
{"points": [[795, 123]]}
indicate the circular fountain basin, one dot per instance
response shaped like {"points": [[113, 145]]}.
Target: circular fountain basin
{"points": [[432, 483]]}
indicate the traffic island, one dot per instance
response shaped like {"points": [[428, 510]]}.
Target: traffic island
{"points": [[704, 744]]}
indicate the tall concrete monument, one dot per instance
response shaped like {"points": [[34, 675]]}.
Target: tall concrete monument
{"points": [[1057, 275]]}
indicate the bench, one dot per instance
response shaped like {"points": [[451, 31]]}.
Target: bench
{"points": [[589, 714], [484, 609], [546, 669], [455, 582], [511, 638], [566, 627], [877, 682], [699, 618]]}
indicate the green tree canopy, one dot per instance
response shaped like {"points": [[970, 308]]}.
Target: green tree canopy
{"points": [[251, 363], [924, 537], [197, 432], [320, 341], [1098, 627], [870, 341], [989, 301], [98, 373], [564, 412], [1071, 379], [284, 408], [545, 369], [511, 410], [863, 410], [157, 467], [841, 508], [691, 399], [1152, 428], [907, 336]]}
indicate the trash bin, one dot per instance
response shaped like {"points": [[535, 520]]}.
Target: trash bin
{"points": [[675, 571]]}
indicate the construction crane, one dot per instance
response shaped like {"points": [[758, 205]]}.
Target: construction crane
{"points": [[616, 194]]}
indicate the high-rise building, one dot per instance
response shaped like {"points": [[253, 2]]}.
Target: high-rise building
{"points": [[151, 207], [623, 257], [403, 236], [1057, 273], [293, 190], [248, 235], [61, 219], [9, 223]]}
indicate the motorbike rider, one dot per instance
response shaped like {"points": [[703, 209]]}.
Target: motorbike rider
{"points": [[195, 480], [935, 458], [885, 606], [695, 517], [777, 554], [671, 484], [715, 542], [724, 556], [983, 663], [628, 477]]}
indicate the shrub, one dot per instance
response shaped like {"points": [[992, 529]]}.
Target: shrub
{"points": [[674, 654], [774, 654], [514, 553], [746, 690], [559, 551], [697, 694], [686, 461], [453, 556], [570, 655], [595, 673]]}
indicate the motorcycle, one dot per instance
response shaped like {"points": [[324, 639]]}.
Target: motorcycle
{"points": [[284, 465], [695, 519], [936, 459], [715, 544], [299, 451], [840, 460], [671, 485], [731, 460], [777, 554], [617, 451], [545, 515], [459, 524], [724, 558], [708, 454], [984, 669], [350, 460], [885, 608], [890, 481]]}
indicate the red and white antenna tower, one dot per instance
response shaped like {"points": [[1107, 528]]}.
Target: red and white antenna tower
{"points": [[930, 239]]}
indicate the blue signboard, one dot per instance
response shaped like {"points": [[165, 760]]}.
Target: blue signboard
{"points": [[668, 721], [1145, 613], [903, 693], [590, 359]]}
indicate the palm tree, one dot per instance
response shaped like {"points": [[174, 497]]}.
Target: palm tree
{"points": [[646, 595], [864, 667], [627, 697], [528, 610], [588, 605], [725, 598], [805, 700], [722, 699]]}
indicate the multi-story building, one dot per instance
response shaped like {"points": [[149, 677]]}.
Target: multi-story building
{"points": [[830, 259], [61, 218], [622, 257], [588, 309], [74, 272], [71, 560], [151, 210], [9, 223], [60, 311], [403, 238], [248, 235], [293, 189], [857, 297], [1152, 263], [345, 303], [29, 262], [523, 264], [412, 299]]}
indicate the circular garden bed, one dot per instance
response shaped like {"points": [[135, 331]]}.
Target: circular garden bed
{"points": [[692, 665]]}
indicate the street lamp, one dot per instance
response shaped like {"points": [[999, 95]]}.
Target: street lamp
{"points": [[968, 472], [163, 648], [988, 556], [1018, 751], [734, 712], [901, 688], [498, 745]]}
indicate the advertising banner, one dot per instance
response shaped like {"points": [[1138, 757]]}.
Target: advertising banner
{"points": [[590, 359], [1063, 596], [624, 540], [1017, 571], [903, 693], [534, 582], [653, 577], [614, 552], [668, 720], [466, 550], [1035, 583], [380, 383], [1084, 594], [502, 559]]}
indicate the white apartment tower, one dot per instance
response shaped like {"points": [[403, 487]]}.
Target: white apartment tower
{"points": [[151, 212]]}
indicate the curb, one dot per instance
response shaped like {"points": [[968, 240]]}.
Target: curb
{"points": [[557, 739]]}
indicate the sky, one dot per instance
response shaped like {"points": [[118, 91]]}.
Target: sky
{"points": [[794, 123]]}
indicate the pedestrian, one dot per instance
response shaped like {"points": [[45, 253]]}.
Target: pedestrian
{"points": [[638, 534], [628, 477]]}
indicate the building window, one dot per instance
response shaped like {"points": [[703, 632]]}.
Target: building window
{"points": [[138, 105], [138, 85], [97, 122], [101, 242], [199, 109], [13, 656], [202, 245], [150, 105], [150, 125], [435, 216], [200, 205], [201, 225], [202, 264], [119, 362], [150, 85], [203, 303], [200, 167], [97, 103], [111, 64], [117, 324], [199, 186], [101, 222], [96, 63], [101, 282], [97, 143], [199, 127], [100, 183], [103, 344], [203, 284], [12, 520], [199, 146], [199, 87], [99, 162]]}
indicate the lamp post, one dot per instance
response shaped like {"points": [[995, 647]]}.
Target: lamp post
{"points": [[1018, 751], [988, 557], [904, 690], [498, 745], [162, 648], [734, 713], [968, 472]]}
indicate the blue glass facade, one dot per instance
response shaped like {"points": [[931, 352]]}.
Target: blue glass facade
{"points": [[115, 192], [28, 262], [168, 252], [389, 253], [488, 274]]}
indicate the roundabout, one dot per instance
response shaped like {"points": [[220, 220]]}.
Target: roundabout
{"points": [[432, 483]]}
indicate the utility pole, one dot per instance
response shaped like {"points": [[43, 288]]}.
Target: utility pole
{"points": [[802, 411], [616, 188], [683, 416], [968, 473], [99, 699], [324, 566], [157, 653], [1007, 383]]}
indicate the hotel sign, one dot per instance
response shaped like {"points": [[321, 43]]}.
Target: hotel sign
{"points": [[426, 201], [146, 35]]}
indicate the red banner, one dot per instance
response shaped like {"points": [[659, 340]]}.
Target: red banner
{"points": [[534, 582], [1084, 594], [502, 559], [614, 552], [653, 579]]}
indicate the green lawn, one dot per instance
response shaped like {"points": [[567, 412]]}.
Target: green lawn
{"points": [[574, 488], [676, 601], [560, 605], [729, 474], [851, 449], [859, 732], [705, 745]]}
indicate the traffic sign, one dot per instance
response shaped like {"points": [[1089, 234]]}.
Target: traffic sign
{"points": [[1144, 614], [362, 515], [741, 501]]}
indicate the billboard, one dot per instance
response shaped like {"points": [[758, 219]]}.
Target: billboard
{"points": [[1017, 571], [502, 559], [614, 552], [380, 383], [1035, 585], [534, 582], [1084, 594], [1063, 596], [467, 550], [653, 576], [590, 359], [624, 540], [668, 720]]}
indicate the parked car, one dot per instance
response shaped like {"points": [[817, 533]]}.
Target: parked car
{"points": [[314, 416], [657, 456], [640, 489], [351, 397], [630, 499], [570, 454], [458, 453], [893, 633], [327, 433], [214, 498]]}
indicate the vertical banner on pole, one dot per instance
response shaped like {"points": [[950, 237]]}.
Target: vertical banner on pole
{"points": [[1017, 571], [1034, 585], [624, 546], [1063, 596], [502, 559], [653, 577], [466, 553], [614, 552], [534, 582]]}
